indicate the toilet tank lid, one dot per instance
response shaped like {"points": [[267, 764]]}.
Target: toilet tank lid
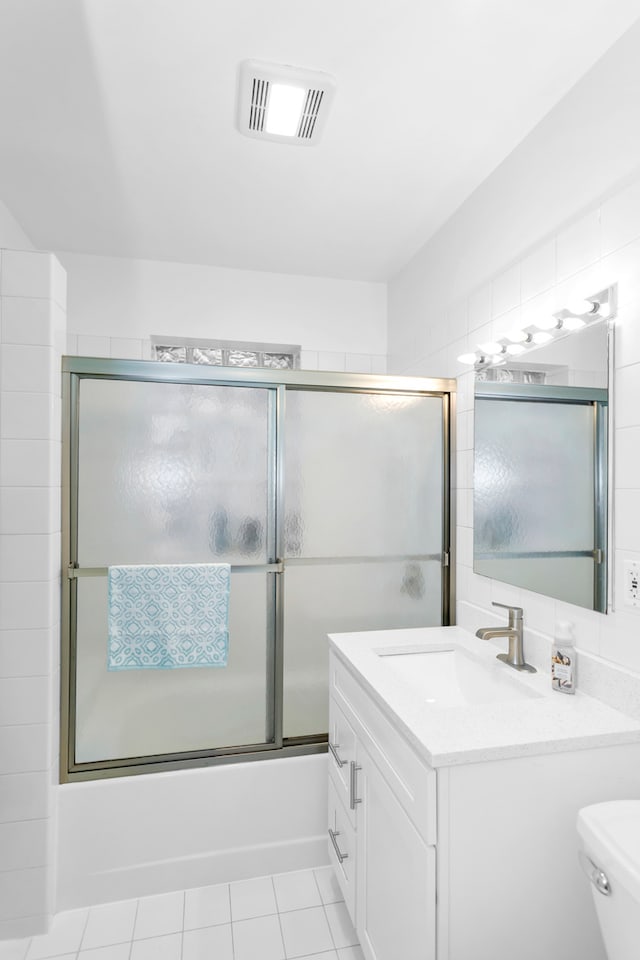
{"points": [[611, 835]]}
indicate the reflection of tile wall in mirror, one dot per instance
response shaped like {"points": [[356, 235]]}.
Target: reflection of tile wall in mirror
{"points": [[574, 372], [579, 359]]}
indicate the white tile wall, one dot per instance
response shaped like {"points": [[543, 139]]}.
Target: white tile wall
{"points": [[27, 321], [32, 337], [505, 291], [538, 270], [28, 274], [480, 308], [600, 247], [89, 346], [24, 748], [620, 219], [126, 349], [122, 348]]}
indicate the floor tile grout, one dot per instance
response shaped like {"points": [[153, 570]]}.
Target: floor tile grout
{"points": [[81, 951], [233, 942], [275, 896], [324, 910], [184, 909], [133, 929]]}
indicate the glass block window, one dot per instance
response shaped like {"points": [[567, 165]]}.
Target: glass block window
{"points": [[226, 353], [203, 355], [244, 358], [278, 361], [171, 354], [511, 375]]}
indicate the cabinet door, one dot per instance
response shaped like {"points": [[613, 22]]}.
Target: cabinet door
{"points": [[342, 754], [342, 849], [396, 902]]}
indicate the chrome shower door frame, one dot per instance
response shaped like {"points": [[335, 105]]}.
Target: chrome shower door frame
{"points": [[75, 369]]}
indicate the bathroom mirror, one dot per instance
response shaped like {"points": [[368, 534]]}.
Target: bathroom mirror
{"points": [[541, 460]]}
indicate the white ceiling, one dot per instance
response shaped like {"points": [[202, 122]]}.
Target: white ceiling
{"points": [[117, 121]]}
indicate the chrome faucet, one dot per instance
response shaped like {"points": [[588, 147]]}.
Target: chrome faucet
{"points": [[513, 632]]}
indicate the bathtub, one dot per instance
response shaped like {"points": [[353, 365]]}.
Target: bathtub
{"points": [[142, 835]]}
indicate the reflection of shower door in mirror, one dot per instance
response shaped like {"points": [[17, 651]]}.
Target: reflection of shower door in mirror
{"points": [[330, 504], [540, 492]]}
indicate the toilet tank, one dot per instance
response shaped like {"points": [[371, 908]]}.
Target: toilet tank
{"points": [[610, 855]]}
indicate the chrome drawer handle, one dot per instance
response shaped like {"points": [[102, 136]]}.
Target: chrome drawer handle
{"points": [[353, 774], [341, 856], [334, 750]]}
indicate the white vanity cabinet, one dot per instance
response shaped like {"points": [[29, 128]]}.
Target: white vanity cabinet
{"points": [[465, 859], [381, 827], [396, 873]]}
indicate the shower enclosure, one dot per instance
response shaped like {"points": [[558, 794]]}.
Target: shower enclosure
{"points": [[327, 493]]}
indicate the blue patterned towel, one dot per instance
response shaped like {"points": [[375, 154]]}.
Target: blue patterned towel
{"points": [[169, 615]]}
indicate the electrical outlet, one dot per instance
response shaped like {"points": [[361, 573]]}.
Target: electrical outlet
{"points": [[632, 583]]}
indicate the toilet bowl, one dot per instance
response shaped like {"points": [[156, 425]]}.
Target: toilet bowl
{"points": [[610, 856]]}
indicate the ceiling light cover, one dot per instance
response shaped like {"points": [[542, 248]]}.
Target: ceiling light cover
{"points": [[267, 87]]}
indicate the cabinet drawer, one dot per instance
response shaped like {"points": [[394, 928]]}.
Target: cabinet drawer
{"points": [[342, 849], [342, 754], [412, 780]]}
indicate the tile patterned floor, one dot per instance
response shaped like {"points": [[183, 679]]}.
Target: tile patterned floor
{"points": [[287, 916]]}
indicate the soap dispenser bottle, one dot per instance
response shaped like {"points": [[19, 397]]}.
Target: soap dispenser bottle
{"points": [[563, 658]]}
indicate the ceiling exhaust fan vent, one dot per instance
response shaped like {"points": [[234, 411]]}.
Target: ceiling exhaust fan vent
{"points": [[258, 109], [283, 104]]}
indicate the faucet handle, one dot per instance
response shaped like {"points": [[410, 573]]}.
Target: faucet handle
{"points": [[514, 612]]}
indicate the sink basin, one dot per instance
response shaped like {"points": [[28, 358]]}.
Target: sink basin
{"points": [[450, 675]]}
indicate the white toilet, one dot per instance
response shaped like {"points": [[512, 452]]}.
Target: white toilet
{"points": [[610, 856]]}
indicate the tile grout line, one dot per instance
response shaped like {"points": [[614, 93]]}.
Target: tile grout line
{"points": [[233, 943], [275, 897], [184, 913], [133, 929], [324, 910], [78, 953], [84, 930]]}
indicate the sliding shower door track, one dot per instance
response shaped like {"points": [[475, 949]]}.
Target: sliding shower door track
{"points": [[129, 767]]}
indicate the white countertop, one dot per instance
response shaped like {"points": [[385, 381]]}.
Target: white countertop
{"points": [[545, 721]]}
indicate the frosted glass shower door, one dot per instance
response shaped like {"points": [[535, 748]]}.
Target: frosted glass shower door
{"points": [[363, 529], [174, 473]]}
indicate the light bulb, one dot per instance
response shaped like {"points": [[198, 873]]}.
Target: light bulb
{"points": [[542, 337], [572, 323], [493, 348], [516, 336], [546, 323], [469, 358], [515, 348], [581, 307]]}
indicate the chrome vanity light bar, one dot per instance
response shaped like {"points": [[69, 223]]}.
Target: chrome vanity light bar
{"points": [[576, 315]]}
